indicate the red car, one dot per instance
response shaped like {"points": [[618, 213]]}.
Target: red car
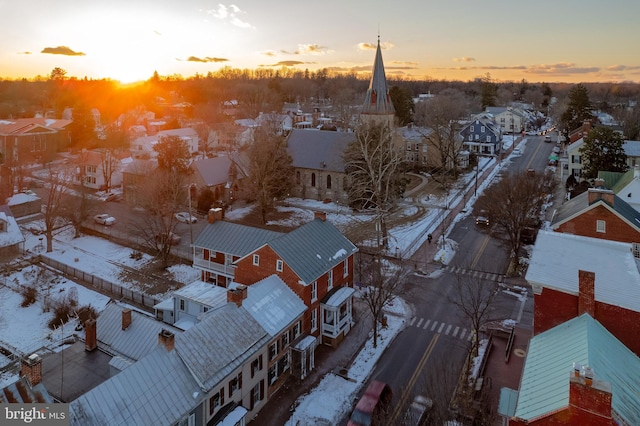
{"points": [[372, 407]]}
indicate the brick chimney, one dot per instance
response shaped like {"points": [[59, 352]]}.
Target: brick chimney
{"points": [[586, 293], [126, 318], [601, 193], [90, 339], [237, 295], [31, 368], [166, 338], [320, 215], [214, 214], [589, 399]]}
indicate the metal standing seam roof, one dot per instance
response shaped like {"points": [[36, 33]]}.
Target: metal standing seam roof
{"points": [[140, 338], [557, 257], [544, 387], [205, 293], [313, 249], [214, 171], [158, 389], [580, 204], [232, 238], [21, 391], [318, 149], [222, 341], [273, 305]]}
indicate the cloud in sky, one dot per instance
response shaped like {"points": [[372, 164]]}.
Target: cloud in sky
{"points": [[229, 14], [287, 64], [269, 53], [205, 59], [622, 68], [26, 52], [372, 46], [464, 59], [62, 50]]}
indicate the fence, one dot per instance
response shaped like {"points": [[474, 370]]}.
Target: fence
{"points": [[103, 284]]}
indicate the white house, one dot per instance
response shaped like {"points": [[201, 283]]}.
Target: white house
{"points": [[142, 147]]}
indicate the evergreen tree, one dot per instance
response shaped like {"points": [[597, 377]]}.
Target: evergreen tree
{"points": [[602, 151], [403, 103], [489, 92], [579, 108]]}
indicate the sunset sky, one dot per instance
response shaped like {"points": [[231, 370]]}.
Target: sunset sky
{"points": [[127, 40]]}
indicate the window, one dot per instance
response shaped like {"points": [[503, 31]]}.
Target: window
{"points": [[279, 265], [636, 250], [313, 179], [296, 330], [182, 304], [273, 350], [477, 137], [256, 394], [470, 137], [345, 265], [424, 147], [416, 147], [471, 129], [328, 181], [285, 339], [283, 364], [256, 259], [235, 384], [330, 280], [408, 146], [314, 320], [488, 138], [273, 374], [482, 129], [601, 226], [256, 366], [214, 403], [314, 291], [90, 169]]}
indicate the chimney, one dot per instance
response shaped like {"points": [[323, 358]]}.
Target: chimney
{"points": [[214, 214], [586, 293], [166, 338], [31, 368], [320, 215], [598, 183], [237, 295], [126, 319], [90, 340], [590, 397], [601, 193]]}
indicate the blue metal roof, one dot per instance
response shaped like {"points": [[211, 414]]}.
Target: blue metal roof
{"points": [[545, 381]]}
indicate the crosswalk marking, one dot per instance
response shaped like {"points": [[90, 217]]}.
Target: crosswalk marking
{"points": [[448, 329], [426, 324], [441, 327], [464, 330], [452, 330], [420, 322], [491, 276], [433, 327], [412, 321], [455, 331]]}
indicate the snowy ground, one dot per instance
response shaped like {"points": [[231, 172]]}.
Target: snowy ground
{"points": [[26, 328]]}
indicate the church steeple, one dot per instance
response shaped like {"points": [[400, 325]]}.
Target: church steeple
{"points": [[377, 100]]}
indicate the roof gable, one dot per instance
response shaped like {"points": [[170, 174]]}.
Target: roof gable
{"points": [[313, 249], [544, 387], [214, 171], [232, 238], [318, 149]]}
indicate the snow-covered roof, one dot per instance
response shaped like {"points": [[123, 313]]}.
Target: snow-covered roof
{"points": [[273, 305], [557, 257], [204, 293], [12, 235]]}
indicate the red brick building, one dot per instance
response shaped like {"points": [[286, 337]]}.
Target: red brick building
{"points": [[315, 261]]}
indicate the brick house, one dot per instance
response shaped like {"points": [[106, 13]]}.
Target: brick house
{"points": [[315, 261], [598, 213], [577, 373], [571, 275]]}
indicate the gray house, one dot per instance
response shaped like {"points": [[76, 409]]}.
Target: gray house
{"points": [[482, 136], [319, 165]]}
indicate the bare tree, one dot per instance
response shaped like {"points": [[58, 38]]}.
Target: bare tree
{"points": [[441, 115], [514, 203], [270, 169], [109, 162], [373, 163], [56, 189], [161, 195], [383, 280], [77, 207]]}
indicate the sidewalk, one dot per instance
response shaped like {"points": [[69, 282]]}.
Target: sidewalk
{"points": [[279, 408]]}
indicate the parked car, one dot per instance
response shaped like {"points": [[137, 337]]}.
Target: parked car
{"points": [[417, 412], [556, 150], [185, 217], [111, 196], [547, 139], [104, 219], [173, 239], [372, 407]]}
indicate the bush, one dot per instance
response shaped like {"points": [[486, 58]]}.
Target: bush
{"points": [[86, 313], [29, 294], [61, 314]]}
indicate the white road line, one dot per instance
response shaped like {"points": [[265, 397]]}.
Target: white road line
{"points": [[448, 329], [420, 322], [441, 327], [426, 324], [464, 330], [433, 327], [469, 336], [455, 331], [412, 321]]}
